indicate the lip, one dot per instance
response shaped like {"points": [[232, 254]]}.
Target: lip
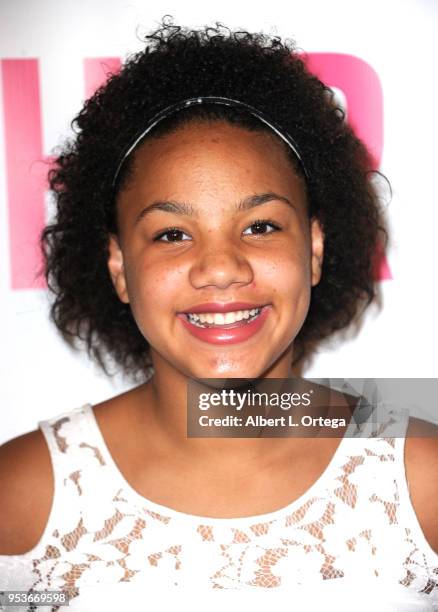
{"points": [[221, 307], [239, 332]]}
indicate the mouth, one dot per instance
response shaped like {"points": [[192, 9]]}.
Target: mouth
{"points": [[217, 324], [226, 320]]}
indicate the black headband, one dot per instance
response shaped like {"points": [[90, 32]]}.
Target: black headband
{"points": [[178, 106]]}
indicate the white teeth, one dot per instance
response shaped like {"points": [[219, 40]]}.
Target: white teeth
{"points": [[218, 318], [229, 317]]}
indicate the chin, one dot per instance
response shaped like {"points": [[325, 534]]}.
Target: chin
{"points": [[223, 382], [222, 370]]}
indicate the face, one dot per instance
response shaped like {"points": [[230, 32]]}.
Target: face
{"points": [[215, 253]]}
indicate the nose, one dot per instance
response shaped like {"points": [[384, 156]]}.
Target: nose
{"points": [[220, 266]]}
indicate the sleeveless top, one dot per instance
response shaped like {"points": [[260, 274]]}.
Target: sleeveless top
{"points": [[351, 540]]}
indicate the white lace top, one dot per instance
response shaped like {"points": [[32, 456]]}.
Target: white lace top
{"points": [[352, 539]]}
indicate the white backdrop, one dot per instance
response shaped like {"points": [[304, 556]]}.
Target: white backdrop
{"points": [[40, 376]]}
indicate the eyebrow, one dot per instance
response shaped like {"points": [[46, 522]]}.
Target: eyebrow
{"points": [[183, 208]]}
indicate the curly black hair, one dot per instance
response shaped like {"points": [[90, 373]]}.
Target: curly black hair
{"points": [[176, 64]]}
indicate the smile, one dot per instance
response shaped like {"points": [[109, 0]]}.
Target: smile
{"points": [[219, 319], [224, 328]]}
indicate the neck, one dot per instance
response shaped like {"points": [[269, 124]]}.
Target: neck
{"points": [[165, 396]]}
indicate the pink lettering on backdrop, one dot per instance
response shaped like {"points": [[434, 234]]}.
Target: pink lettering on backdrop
{"points": [[25, 189], [26, 166], [97, 70], [361, 87]]}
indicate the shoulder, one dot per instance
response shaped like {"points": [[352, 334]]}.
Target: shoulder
{"points": [[26, 485], [421, 462]]}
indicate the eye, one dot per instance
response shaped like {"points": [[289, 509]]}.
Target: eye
{"points": [[260, 226], [171, 234]]}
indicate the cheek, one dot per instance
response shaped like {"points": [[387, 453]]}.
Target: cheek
{"points": [[287, 273], [153, 288]]}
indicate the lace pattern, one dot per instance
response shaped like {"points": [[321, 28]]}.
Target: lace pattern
{"points": [[351, 524]]}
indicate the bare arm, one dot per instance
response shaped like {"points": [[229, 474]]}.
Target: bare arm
{"points": [[421, 458], [26, 485]]}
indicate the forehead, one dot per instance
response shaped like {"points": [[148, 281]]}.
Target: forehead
{"points": [[209, 138], [217, 157]]}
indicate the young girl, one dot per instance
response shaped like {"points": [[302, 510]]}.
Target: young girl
{"points": [[215, 219]]}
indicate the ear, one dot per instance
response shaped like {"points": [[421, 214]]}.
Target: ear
{"points": [[317, 239], [116, 268]]}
